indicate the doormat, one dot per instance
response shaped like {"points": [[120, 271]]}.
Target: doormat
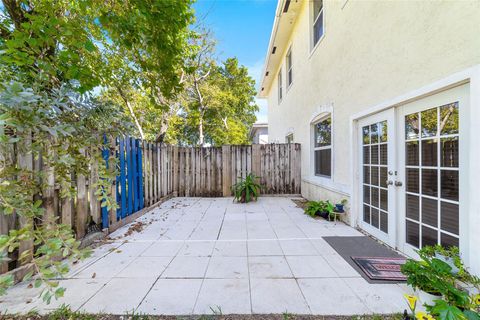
{"points": [[381, 268], [362, 246]]}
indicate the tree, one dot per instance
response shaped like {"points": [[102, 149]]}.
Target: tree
{"points": [[218, 104], [54, 53]]}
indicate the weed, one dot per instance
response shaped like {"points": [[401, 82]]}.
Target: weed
{"points": [[287, 316], [217, 311]]}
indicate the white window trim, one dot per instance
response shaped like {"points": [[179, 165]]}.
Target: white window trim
{"points": [[330, 146], [321, 113], [289, 52], [314, 46]]}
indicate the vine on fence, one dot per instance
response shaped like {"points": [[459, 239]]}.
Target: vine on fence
{"points": [[58, 127]]}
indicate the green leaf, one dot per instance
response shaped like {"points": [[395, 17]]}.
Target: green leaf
{"points": [[446, 311], [89, 46], [37, 283], [28, 276], [471, 315], [59, 293]]}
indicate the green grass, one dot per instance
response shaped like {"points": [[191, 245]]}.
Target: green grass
{"points": [[65, 313]]}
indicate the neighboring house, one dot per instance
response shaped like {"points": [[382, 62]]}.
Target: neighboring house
{"points": [[384, 97], [259, 133]]}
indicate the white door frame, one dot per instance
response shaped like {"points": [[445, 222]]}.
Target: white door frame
{"points": [[471, 75], [457, 94], [389, 116]]}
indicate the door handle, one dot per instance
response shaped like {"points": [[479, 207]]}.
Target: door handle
{"points": [[398, 183], [389, 182]]}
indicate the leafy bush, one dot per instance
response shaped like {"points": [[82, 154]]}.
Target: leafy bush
{"points": [[247, 189], [56, 125], [433, 274], [313, 207]]}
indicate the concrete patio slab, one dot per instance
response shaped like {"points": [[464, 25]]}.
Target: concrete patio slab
{"points": [[211, 255]]}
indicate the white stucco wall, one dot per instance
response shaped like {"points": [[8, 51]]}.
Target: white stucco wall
{"points": [[374, 55], [260, 135], [372, 51]]}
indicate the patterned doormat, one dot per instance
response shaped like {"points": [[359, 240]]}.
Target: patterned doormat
{"points": [[384, 268]]}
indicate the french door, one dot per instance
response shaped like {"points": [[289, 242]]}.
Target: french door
{"points": [[410, 177], [377, 168], [429, 160]]}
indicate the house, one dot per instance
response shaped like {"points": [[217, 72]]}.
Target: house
{"points": [[384, 98], [259, 133]]}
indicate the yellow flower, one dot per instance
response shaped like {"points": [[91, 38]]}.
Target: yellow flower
{"points": [[476, 299], [421, 316], [412, 301], [429, 317]]}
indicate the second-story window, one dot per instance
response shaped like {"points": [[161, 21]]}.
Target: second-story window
{"points": [[280, 86], [317, 7], [289, 68]]}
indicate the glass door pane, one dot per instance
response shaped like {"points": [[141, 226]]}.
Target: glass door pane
{"points": [[432, 176], [375, 175]]}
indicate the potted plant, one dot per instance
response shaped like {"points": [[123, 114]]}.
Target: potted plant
{"points": [[437, 279], [446, 288], [313, 208], [330, 210], [247, 189], [423, 277], [340, 207]]}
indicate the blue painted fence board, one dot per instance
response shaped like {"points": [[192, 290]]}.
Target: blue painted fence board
{"points": [[129, 182], [140, 175], [123, 180], [105, 155]]}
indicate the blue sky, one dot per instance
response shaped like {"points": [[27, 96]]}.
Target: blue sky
{"points": [[242, 29]]}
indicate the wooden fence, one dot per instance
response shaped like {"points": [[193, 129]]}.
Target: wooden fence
{"points": [[211, 171], [148, 173]]}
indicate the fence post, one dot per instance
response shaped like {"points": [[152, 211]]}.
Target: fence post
{"points": [[94, 203], [25, 162], [140, 174], [123, 183], [82, 203], [226, 167], [114, 154], [175, 173], [104, 210], [49, 189], [256, 156]]}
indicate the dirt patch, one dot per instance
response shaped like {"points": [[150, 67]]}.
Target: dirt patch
{"points": [[135, 227], [300, 202]]}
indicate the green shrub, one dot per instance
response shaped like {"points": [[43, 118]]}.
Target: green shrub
{"points": [[247, 189], [313, 207], [436, 275]]}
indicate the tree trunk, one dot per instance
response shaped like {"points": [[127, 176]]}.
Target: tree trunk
{"points": [[200, 131], [163, 128], [130, 108]]}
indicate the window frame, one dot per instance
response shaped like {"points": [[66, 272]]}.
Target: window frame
{"points": [[289, 67], [330, 146], [289, 135], [280, 85], [313, 21]]}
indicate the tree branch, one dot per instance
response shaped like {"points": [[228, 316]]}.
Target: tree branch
{"points": [[130, 108]]}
